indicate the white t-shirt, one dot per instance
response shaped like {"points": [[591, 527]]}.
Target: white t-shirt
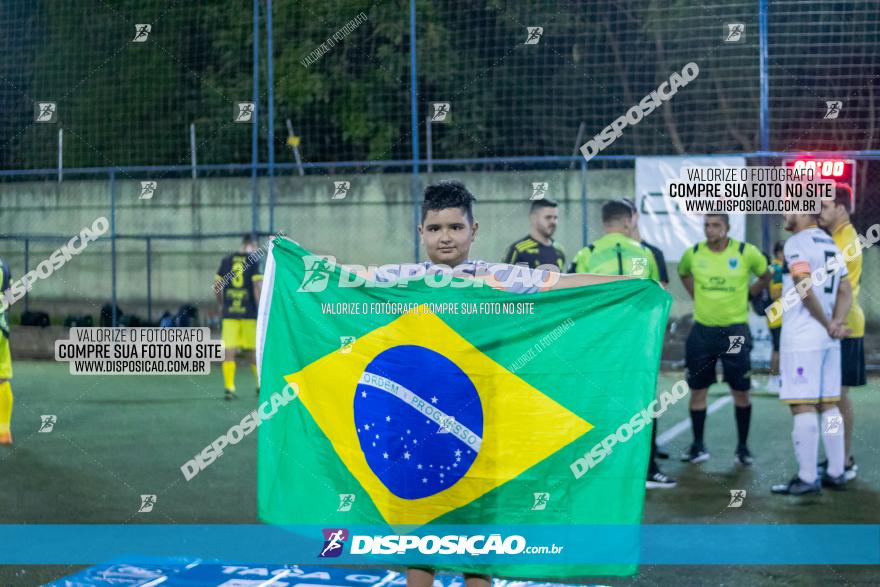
{"points": [[806, 252]]}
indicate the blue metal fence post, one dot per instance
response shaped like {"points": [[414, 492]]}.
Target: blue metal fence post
{"points": [[113, 246], [765, 106], [255, 157], [149, 279], [270, 78], [414, 122], [584, 217]]}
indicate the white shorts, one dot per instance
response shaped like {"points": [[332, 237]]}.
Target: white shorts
{"points": [[810, 377]]}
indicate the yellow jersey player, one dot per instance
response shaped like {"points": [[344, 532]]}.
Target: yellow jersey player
{"points": [[834, 218], [237, 286], [5, 361]]}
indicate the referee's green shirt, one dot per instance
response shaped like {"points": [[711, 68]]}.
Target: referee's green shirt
{"points": [[617, 254], [721, 281]]}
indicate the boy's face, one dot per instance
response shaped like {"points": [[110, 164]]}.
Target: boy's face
{"points": [[447, 236]]}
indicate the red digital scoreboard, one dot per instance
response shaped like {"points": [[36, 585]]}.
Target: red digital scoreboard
{"points": [[840, 170]]}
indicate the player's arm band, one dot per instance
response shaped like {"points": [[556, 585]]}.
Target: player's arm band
{"points": [[799, 268]]}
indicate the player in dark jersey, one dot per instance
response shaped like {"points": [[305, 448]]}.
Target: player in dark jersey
{"points": [[237, 286], [538, 248], [5, 361]]}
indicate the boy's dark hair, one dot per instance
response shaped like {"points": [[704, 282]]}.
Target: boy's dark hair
{"points": [[247, 239], [448, 194], [724, 217], [615, 210], [779, 246], [542, 203], [843, 196]]}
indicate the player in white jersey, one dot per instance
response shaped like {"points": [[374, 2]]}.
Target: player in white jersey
{"points": [[809, 351]]}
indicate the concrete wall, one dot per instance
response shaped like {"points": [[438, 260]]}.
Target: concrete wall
{"points": [[373, 224]]}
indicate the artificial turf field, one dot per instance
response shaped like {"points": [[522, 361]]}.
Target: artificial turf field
{"points": [[117, 437]]}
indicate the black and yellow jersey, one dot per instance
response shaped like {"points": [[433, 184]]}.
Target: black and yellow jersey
{"points": [[5, 278], [528, 251], [236, 277]]}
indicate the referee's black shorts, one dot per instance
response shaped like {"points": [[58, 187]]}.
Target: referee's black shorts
{"points": [[706, 344], [852, 362]]}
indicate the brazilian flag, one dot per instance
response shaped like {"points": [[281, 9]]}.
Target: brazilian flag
{"points": [[468, 409]]}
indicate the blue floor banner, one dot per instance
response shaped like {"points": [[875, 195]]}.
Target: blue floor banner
{"points": [[177, 572]]}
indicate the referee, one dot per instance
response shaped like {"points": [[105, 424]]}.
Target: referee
{"points": [[716, 274]]}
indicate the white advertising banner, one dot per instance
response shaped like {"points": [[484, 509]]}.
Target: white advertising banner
{"points": [[661, 223]]}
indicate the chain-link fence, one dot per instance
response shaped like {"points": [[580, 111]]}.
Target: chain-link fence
{"points": [[187, 126]]}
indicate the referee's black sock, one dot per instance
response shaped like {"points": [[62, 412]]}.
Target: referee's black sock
{"points": [[698, 419], [743, 419]]}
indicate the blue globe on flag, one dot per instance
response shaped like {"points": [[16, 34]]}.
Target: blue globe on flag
{"points": [[419, 420]]}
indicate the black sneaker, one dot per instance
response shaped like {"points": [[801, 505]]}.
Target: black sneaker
{"points": [[850, 471], [796, 487], [743, 456], [228, 395], [661, 453], [836, 483], [659, 480], [695, 454]]}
